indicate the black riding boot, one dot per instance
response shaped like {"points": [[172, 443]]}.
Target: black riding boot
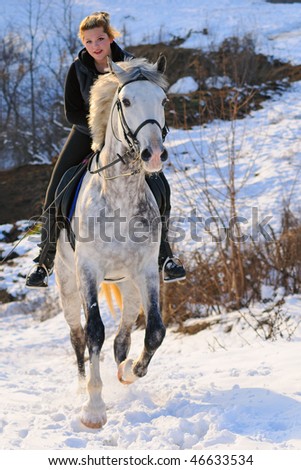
{"points": [[45, 261], [171, 267]]}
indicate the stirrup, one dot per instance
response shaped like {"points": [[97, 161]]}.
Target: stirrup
{"points": [[167, 280], [48, 273]]}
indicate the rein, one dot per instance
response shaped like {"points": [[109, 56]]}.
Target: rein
{"points": [[99, 170], [117, 160]]}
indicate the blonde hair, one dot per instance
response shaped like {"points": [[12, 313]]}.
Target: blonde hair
{"points": [[96, 20]]}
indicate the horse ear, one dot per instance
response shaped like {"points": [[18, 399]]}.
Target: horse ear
{"points": [[161, 63], [114, 68], [109, 62]]}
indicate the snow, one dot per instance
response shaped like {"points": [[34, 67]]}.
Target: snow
{"points": [[211, 390], [184, 85], [218, 82], [216, 389]]}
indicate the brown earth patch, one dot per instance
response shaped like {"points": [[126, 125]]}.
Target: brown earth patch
{"points": [[22, 191]]}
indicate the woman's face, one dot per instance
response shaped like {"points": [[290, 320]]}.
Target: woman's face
{"points": [[97, 43]]}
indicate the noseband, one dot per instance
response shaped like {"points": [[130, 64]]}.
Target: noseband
{"points": [[131, 137]]}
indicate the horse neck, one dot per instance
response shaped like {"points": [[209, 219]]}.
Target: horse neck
{"points": [[118, 183]]}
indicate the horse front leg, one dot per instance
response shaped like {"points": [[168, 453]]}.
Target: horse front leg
{"points": [[93, 413], [71, 303], [130, 370]]}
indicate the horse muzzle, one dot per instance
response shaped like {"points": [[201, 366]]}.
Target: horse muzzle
{"points": [[153, 158]]}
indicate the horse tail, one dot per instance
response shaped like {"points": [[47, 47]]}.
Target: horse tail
{"points": [[107, 290]]}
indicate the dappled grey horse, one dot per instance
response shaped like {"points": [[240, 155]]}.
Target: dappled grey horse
{"points": [[117, 225]]}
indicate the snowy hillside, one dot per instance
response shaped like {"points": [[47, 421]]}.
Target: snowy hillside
{"points": [[224, 387]]}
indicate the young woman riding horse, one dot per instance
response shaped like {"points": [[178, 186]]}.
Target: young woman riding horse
{"points": [[97, 36], [133, 99]]}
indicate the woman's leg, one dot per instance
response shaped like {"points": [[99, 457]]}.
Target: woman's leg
{"points": [[76, 148], [172, 268], [165, 248]]}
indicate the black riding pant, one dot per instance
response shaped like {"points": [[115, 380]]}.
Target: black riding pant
{"points": [[161, 190], [76, 148]]}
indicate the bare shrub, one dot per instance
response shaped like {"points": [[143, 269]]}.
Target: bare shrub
{"points": [[210, 288]]}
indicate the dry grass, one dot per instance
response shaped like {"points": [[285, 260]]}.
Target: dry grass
{"points": [[209, 288]]}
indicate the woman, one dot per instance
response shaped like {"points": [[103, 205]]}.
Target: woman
{"points": [[97, 36]]}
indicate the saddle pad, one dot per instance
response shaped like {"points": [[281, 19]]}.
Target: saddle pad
{"points": [[74, 199]]}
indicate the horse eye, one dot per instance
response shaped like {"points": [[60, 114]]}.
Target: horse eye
{"points": [[164, 101], [126, 102]]}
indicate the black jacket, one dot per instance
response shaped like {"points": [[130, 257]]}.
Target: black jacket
{"points": [[80, 78]]}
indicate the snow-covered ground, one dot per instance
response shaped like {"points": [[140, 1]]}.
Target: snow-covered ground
{"points": [[213, 390]]}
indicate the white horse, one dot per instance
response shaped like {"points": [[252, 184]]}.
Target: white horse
{"points": [[117, 225]]}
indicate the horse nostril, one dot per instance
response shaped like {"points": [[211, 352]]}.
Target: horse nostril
{"points": [[146, 155], [164, 155]]}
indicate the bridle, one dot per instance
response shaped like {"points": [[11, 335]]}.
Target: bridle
{"points": [[129, 136]]}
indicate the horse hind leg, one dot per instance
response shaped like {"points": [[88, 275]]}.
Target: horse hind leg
{"points": [[71, 304], [130, 370], [122, 342]]}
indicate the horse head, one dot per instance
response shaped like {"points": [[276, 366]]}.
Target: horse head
{"points": [[140, 102]]}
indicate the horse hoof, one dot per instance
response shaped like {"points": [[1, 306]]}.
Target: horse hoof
{"points": [[92, 424], [125, 373], [93, 417]]}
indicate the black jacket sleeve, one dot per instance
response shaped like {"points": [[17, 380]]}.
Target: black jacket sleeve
{"points": [[75, 109]]}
